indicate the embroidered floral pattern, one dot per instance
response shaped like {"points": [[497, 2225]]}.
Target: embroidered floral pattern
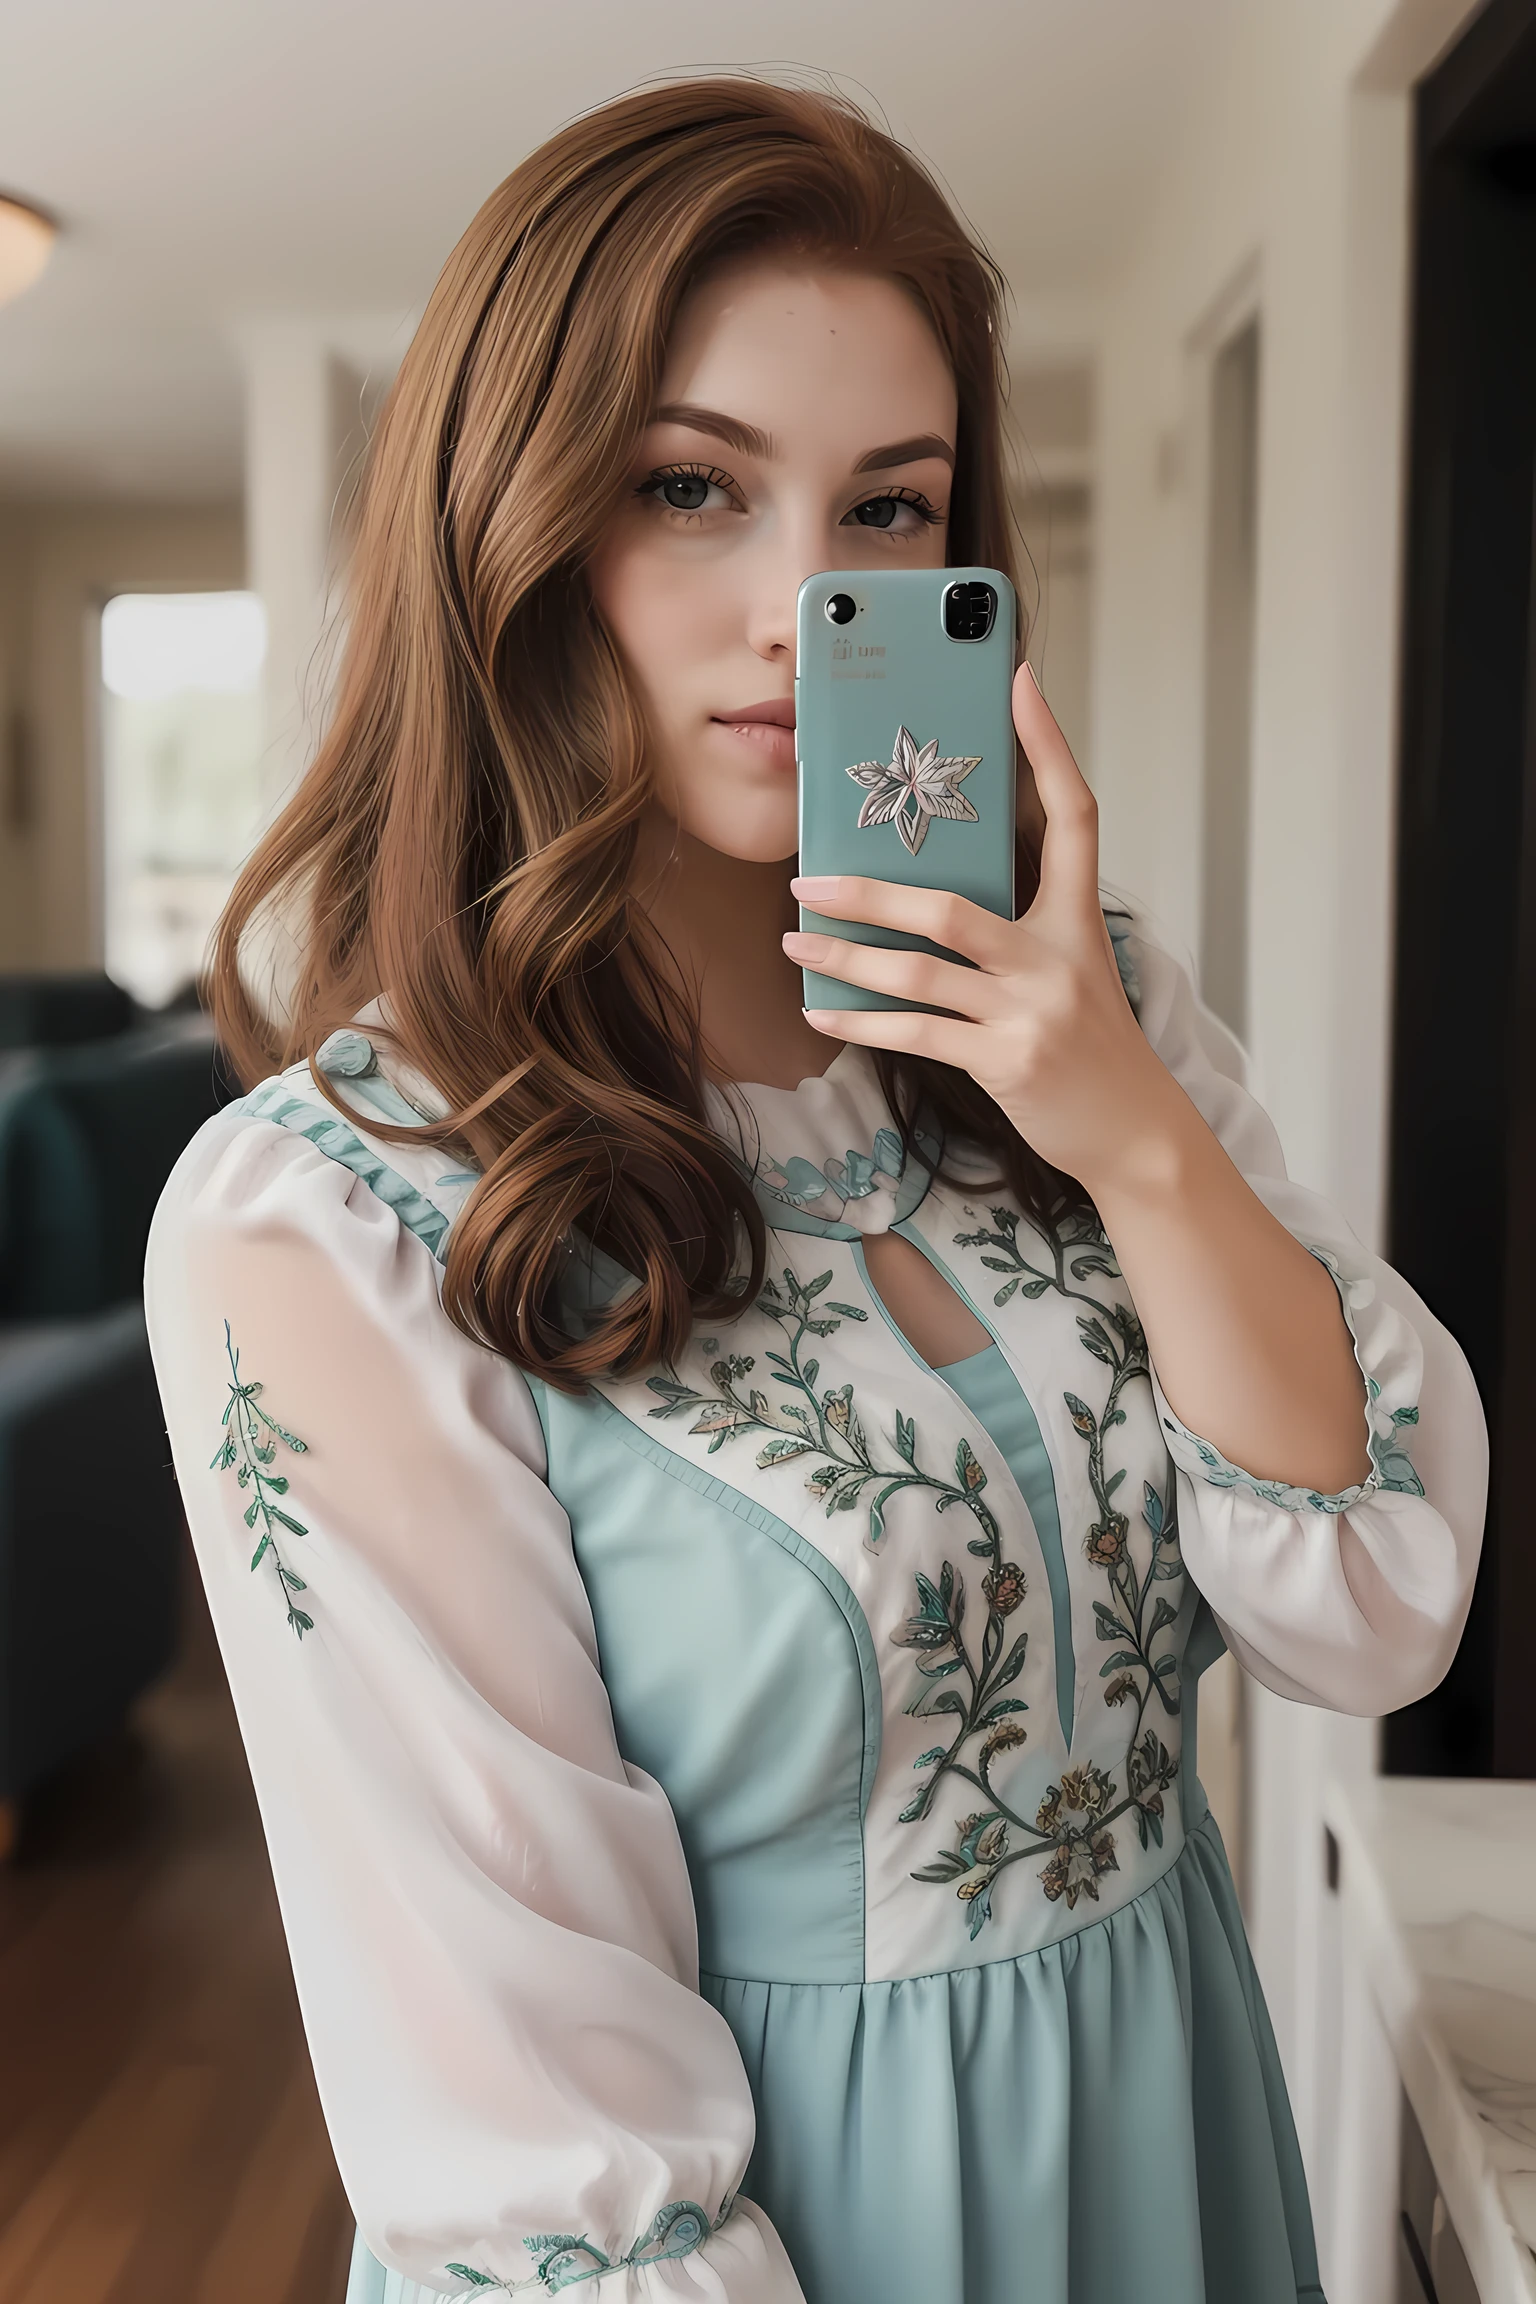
{"points": [[1110, 1333], [1391, 1465], [826, 1432], [1394, 1467], [798, 1182], [565, 2258], [1072, 1826], [821, 1430], [976, 1703], [249, 1447], [1071, 1829]]}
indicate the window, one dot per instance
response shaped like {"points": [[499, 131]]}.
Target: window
{"points": [[181, 739]]}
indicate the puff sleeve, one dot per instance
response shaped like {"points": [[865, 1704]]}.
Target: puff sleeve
{"points": [[1355, 1601], [488, 1911]]}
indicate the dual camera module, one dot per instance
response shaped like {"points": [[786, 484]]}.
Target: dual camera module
{"points": [[969, 609]]}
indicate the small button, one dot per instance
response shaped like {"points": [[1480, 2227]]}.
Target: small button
{"points": [[347, 1056]]}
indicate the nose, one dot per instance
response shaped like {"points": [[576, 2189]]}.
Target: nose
{"points": [[799, 548], [771, 615]]}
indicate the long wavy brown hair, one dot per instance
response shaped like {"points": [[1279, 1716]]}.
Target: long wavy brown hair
{"points": [[464, 840]]}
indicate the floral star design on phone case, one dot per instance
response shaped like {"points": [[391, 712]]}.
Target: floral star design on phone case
{"points": [[913, 789]]}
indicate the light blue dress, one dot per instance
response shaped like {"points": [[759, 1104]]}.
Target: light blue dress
{"points": [[912, 1654], [1101, 2118]]}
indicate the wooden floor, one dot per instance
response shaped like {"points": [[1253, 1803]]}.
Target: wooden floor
{"points": [[160, 2137]]}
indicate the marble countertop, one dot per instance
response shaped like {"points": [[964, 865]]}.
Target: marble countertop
{"points": [[1438, 1881]]}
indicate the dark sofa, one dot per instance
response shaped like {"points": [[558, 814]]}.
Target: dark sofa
{"points": [[90, 1526]]}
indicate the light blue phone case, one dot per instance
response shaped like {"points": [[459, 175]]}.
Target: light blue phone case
{"points": [[905, 745]]}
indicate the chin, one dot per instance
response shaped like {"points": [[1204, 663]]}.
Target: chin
{"points": [[761, 834]]}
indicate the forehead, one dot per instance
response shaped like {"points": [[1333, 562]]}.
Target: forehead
{"points": [[777, 342]]}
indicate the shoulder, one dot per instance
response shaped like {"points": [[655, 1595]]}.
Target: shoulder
{"points": [[286, 1156], [289, 1227]]}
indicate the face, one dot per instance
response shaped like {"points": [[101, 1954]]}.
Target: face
{"points": [[806, 420]]}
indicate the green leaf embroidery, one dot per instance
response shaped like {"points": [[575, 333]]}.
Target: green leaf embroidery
{"points": [[249, 1445], [823, 1427], [1072, 1827]]}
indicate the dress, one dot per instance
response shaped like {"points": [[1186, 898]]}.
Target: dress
{"points": [[737, 1830]]}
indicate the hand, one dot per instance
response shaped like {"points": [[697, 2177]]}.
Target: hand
{"points": [[1041, 1021]]}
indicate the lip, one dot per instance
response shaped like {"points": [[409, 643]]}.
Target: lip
{"points": [[768, 727], [778, 712]]}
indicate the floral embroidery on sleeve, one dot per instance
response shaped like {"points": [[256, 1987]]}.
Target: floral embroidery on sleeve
{"points": [[1386, 1431], [249, 1448], [565, 2258]]}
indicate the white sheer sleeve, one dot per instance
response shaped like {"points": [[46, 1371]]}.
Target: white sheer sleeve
{"points": [[1357, 1600], [488, 1911]]}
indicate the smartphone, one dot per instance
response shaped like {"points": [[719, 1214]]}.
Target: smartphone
{"points": [[904, 743]]}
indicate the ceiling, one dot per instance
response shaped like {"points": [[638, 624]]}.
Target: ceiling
{"points": [[219, 161]]}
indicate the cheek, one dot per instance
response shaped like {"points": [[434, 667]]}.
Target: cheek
{"points": [[679, 625], [638, 617], [669, 614]]}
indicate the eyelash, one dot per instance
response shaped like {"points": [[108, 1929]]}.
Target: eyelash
{"points": [[913, 496], [654, 482]]}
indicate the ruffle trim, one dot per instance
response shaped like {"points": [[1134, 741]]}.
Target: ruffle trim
{"points": [[1387, 1423], [566, 2259]]}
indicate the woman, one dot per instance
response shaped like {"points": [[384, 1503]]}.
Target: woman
{"points": [[731, 1792]]}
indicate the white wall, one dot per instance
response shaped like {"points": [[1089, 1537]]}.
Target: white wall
{"points": [[1286, 188]]}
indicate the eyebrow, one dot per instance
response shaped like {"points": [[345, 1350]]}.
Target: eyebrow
{"points": [[914, 451], [744, 438], [747, 440]]}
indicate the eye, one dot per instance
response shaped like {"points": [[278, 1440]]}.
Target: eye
{"points": [[690, 488], [901, 511]]}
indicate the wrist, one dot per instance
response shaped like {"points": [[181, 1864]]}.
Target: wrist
{"points": [[1159, 1163]]}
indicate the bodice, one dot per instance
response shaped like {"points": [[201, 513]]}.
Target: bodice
{"points": [[908, 1649]]}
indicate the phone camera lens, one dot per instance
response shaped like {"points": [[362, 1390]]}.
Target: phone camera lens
{"points": [[840, 609], [969, 610]]}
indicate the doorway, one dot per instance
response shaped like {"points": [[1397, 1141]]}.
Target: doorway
{"points": [[1231, 599]]}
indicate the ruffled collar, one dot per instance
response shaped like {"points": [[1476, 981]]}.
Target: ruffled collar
{"points": [[825, 1155]]}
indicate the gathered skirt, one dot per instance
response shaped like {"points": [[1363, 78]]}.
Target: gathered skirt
{"points": [[1102, 2121]]}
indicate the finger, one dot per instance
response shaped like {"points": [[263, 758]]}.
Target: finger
{"points": [[937, 913], [905, 1032], [1069, 852], [914, 978]]}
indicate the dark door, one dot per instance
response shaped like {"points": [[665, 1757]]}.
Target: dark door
{"points": [[1463, 1202]]}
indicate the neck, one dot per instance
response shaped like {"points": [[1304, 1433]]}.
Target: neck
{"points": [[721, 919]]}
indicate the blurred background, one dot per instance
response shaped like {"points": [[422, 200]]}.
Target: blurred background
{"points": [[1274, 355]]}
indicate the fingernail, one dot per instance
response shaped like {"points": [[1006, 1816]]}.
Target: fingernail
{"points": [[1034, 683], [819, 1019], [825, 885], [793, 940]]}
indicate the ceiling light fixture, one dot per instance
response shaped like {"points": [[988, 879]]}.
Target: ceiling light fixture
{"points": [[27, 235]]}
